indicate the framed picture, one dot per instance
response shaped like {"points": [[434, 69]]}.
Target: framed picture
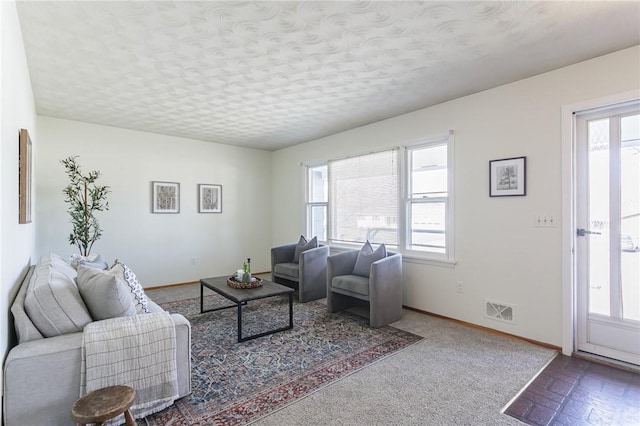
{"points": [[507, 177], [210, 198], [24, 177], [166, 197]]}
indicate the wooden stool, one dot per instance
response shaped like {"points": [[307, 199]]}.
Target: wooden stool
{"points": [[104, 404]]}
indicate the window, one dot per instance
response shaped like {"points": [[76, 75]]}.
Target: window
{"points": [[404, 201], [427, 201], [318, 195]]}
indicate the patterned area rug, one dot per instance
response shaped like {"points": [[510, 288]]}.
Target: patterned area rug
{"points": [[236, 383]]}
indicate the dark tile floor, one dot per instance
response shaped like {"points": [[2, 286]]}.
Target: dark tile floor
{"points": [[574, 391]]}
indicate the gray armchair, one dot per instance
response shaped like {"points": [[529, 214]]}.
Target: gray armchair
{"points": [[308, 276], [381, 291]]}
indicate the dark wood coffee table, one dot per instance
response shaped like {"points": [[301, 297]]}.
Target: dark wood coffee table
{"points": [[241, 297]]}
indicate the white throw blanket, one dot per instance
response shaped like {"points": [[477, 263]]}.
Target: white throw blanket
{"points": [[137, 351]]}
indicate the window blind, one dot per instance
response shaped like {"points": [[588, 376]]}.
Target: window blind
{"points": [[364, 198]]}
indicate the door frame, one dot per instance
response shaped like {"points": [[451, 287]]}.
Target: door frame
{"points": [[569, 293]]}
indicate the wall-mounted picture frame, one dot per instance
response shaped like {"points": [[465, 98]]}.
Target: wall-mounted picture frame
{"points": [[209, 198], [24, 176], [507, 177], [166, 197]]}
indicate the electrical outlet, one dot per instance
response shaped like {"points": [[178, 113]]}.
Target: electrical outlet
{"points": [[459, 287], [193, 260]]}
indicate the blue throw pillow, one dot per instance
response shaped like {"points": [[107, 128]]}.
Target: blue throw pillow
{"points": [[366, 257]]}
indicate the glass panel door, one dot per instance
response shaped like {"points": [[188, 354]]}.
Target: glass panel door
{"points": [[598, 211], [630, 216], [608, 219]]}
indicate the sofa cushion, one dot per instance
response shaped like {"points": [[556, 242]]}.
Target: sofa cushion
{"points": [[304, 245], [352, 284], [52, 301], [291, 270], [105, 293], [137, 291], [25, 330], [366, 256], [60, 264]]}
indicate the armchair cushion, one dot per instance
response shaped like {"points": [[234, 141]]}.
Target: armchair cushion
{"points": [[304, 245], [366, 256], [352, 284], [290, 269]]}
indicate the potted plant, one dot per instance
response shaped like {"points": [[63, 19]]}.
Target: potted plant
{"points": [[85, 198]]}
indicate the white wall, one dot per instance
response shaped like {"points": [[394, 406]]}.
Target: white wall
{"points": [[500, 254], [159, 248], [17, 111]]}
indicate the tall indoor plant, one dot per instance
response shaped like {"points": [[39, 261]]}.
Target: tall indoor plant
{"points": [[85, 198]]}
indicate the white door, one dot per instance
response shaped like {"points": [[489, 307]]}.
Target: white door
{"points": [[608, 222]]}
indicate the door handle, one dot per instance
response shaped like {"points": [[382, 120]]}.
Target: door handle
{"points": [[582, 232]]}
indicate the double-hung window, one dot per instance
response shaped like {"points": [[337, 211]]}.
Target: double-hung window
{"points": [[428, 206], [403, 201], [317, 201]]}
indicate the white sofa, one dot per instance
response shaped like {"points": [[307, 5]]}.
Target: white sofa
{"points": [[42, 372]]}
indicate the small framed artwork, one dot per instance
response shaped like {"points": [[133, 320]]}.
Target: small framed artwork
{"points": [[507, 177], [24, 177], [166, 197], [210, 198]]}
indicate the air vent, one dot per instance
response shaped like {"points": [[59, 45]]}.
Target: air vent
{"points": [[500, 311]]}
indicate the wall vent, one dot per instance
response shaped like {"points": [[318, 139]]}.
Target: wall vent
{"points": [[500, 311]]}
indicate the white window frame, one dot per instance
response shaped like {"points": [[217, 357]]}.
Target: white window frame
{"points": [[311, 204], [446, 259]]}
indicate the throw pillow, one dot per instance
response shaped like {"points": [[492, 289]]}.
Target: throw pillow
{"points": [[104, 292], [52, 300], [304, 245], [366, 257], [301, 242], [137, 292], [59, 264]]}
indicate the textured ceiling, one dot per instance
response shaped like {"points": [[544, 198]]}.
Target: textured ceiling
{"points": [[273, 74]]}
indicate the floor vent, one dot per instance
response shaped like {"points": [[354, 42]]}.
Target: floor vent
{"points": [[500, 311]]}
